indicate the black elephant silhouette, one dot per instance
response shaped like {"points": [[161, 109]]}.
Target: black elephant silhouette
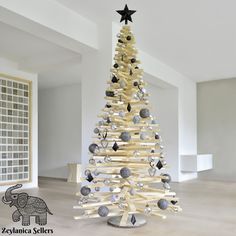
{"points": [[27, 206]]}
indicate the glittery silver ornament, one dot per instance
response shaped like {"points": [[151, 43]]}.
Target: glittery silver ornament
{"points": [[111, 189], [101, 122], [166, 186], [135, 96], [96, 172], [97, 189], [80, 202], [125, 136], [113, 127], [144, 113], [152, 163], [152, 171], [103, 211], [122, 205], [143, 136], [87, 172], [154, 122], [167, 178], [104, 143], [136, 119], [162, 204], [140, 185], [106, 181], [96, 131], [151, 158], [147, 210], [122, 84], [107, 159], [136, 153], [114, 198], [132, 191], [91, 161], [122, 114], [125, 172], [85, 191], [143, 90]]}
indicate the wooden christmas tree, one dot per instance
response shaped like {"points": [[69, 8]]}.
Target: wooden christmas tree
{"points": [[126, 175]]}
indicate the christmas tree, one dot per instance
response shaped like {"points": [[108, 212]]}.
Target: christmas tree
{"points": [[127, 160]]}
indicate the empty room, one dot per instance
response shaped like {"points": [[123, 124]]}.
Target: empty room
{"points": [[118, 117]]}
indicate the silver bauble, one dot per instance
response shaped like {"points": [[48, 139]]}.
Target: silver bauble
{"points": [[85, 191], [125, 136], [144, 113], [162, 204], [136, 119], [122, 114], [103, 211], [93, 147], [125, 172], [143, 136]]}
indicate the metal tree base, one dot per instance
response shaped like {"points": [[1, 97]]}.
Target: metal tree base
{"points": [[115, 222]]}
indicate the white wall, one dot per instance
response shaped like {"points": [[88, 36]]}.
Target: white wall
{"points": [[164, 106], [59, 129], [95, 72], [217, 127], [10, 68]]}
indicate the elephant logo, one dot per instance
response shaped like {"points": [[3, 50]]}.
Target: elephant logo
{"points": [[27, 206]]}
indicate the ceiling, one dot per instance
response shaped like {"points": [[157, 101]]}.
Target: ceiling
{"points": [[196, 38], [55, 65]]}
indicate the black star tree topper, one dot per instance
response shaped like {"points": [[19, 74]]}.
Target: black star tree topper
{"points": [[126, 14]]}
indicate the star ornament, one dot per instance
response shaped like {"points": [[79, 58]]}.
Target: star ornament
{"points": [[126, 14]]}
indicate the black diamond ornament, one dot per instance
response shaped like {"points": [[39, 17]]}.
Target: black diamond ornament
{"points": [[129, 107], [173, 202], [89, 177], [133, 219], [159, 165], [115, 147], [114, 79]]}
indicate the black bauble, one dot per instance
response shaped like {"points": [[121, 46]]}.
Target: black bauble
{"points": [[133, 60], [110, 93], [128, 37], [116, 65]]}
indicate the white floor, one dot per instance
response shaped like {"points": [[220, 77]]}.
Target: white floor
{"points": [[209, 209]]}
